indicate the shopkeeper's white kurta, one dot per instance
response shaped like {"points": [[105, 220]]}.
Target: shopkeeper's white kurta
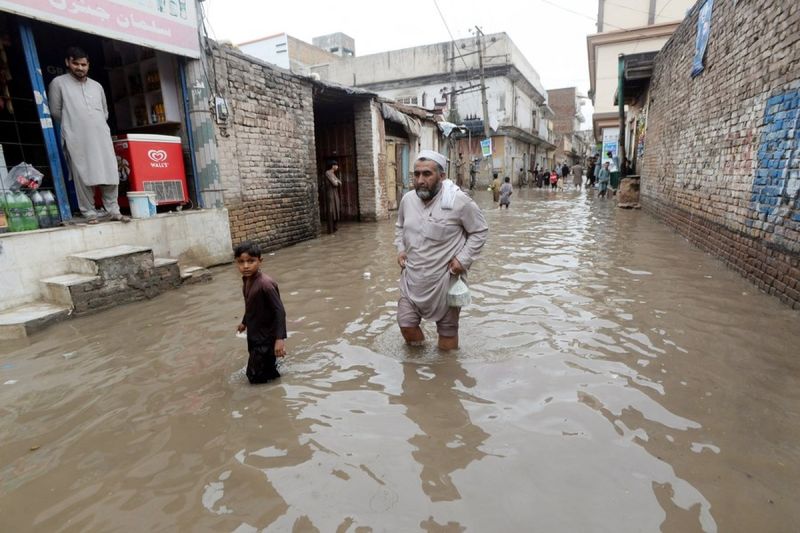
{"points": [[80, 107], [431, 237]]}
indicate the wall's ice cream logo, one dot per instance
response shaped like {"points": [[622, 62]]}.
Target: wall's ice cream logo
{"points": [[158, 158]]}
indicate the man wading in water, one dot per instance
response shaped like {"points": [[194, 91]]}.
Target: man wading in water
{"points": [[439, 233]]}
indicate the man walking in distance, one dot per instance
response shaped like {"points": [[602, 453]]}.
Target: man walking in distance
{"points": [[439, 232], [79, 104], [577, 176], [460, 170], [603, 179]]}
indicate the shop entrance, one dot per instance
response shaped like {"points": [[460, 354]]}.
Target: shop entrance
{"points": [[141, 85], [21, 138]]}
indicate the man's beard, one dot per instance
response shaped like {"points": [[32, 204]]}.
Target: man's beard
{"points": [[425, 194]]}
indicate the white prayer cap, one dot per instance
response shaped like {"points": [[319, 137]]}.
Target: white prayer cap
{"points": [[433, 156]]}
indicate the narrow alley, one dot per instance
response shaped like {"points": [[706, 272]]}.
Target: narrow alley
{"points": [[611, 377]]}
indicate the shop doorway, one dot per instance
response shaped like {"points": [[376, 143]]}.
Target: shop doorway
{"points": [[21, 138], [141, 87]]}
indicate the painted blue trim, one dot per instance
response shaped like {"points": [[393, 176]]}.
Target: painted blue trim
{"points": [[43, 108], [190, 133]]}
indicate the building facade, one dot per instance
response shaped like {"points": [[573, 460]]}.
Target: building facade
{"points": [[292, 54], [566, 104], [444, 78], [722, 159], [639, 27]]}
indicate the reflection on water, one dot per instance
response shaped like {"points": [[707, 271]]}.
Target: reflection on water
{"points": [[611, 378]]}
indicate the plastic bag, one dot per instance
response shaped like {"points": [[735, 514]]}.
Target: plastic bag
{"points": [[22, 176], [458, 295]]}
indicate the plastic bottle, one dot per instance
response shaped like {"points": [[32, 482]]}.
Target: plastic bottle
{"points": [[52, 208], [26, 208], [14, 213], [3, 219], [40, 210]]}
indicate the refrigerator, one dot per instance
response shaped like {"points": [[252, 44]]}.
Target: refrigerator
{"points": [[151, 163]]}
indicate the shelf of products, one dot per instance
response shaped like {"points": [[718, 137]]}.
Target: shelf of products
{"points": [[144, 88]]}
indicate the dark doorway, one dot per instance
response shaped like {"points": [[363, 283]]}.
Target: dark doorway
{"points": [[334, 131], [20, 129]]}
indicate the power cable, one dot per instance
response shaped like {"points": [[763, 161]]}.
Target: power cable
{"points": [[593, 18], [663, 8], [452, 39]]}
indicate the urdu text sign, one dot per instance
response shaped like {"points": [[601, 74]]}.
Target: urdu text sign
{"points": [[169, 25]]}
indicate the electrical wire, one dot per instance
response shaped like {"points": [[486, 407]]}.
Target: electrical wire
{"points": [[593, 18], [663, 8], [452, 39]]}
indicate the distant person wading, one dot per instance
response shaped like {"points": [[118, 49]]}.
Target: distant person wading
{"points": [[333, 201]]}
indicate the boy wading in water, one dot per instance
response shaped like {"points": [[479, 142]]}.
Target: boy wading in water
{"points": [[264, 315]]}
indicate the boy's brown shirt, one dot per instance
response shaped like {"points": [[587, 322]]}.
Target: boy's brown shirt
{"points": [[264, 314]]}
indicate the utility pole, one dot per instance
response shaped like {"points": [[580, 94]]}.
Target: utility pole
{"points": [[452, 104], [453, 114], [622, 124], [484, 101]]}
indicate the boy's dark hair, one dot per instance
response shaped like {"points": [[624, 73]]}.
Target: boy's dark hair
{"points": [[76, 52], [508, 180], [247, 247], [329, 164]]}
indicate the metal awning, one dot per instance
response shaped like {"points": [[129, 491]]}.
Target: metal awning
{"points": [[637, 71]]}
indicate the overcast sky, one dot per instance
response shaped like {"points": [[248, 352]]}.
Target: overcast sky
{"points": [[551, 33]]}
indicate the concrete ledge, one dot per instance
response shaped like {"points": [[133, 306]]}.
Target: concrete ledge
{"points": [[195, 274], [20, 322], [58, 289], [159, 262], [198, 237], [89, 262]]}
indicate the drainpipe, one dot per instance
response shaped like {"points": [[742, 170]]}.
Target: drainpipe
{"points": [[621, 105], [200, 125], [189, 132]]}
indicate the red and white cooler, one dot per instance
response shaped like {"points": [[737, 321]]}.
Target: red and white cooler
{"points": [[151, 163]]}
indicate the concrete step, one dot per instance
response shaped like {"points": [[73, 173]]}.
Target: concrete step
{"points": [[195, 274], [159, 262], [61, 289], [112, 263], [19, 322], [167, 271]]}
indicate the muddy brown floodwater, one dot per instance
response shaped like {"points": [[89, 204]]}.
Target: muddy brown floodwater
{"points": [[612, 377]]}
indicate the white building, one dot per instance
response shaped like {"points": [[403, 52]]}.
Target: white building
{"points": [[638, 29], [445, 77]]}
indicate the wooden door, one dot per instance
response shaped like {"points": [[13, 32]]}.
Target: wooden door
{"points": [[391, 174], [335, 139]]}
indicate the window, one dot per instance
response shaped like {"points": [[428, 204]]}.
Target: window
{"points": [[408, 100]]}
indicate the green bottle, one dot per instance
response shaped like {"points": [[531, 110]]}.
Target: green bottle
{"points": [[40, 209], [3, 218], [26, 208], [52, 208], [15, 220]]}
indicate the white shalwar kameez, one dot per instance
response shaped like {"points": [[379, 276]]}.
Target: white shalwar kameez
{"points": [[431, 237]]}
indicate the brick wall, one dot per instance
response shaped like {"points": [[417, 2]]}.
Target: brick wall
{"points": [[266, 151], [721, 154], [371, 161], [562, 102]]}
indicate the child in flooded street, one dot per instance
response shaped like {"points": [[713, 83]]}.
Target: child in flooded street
{"points": [[264, 315], [505, 193]]}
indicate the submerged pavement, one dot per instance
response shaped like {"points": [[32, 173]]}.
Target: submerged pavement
{"points": [[612, 377]]}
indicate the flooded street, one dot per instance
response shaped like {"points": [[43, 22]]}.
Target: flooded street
{"points": [[611, 377]]}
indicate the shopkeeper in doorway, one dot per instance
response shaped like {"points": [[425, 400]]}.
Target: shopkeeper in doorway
{"points": [[79, 104]]}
